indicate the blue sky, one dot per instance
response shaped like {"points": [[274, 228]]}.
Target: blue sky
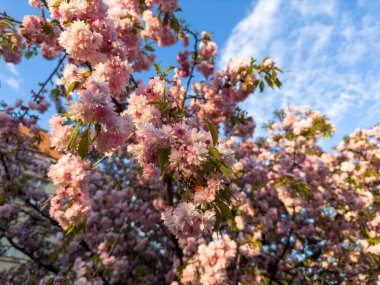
{"points": [[329, 48]]}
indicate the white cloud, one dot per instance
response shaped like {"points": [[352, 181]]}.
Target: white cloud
{"points": [[13, 83], [312, 8], [12, 68], [330, 49], [57, 81], [262, 21]]}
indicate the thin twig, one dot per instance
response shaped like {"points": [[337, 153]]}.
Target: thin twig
{"points": [[99, 161], [195, 56], [48, 267], [237, 268], [9, 18], [118, 237], [286, 247], [44, 84], [178, 249]]}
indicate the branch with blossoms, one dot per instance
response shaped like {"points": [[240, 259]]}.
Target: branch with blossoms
{"points": [[9, 187], [14, 162], [150, 170], [30, 255], [93, 121]]}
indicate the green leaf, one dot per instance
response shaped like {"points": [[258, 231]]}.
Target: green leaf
{"points": [[261, 86], [56, 4], [9, 22], [13, 47], [373, 241], [218, 218], [55, 21], [269, 81], [213, 151], [256, 243], [84, 144], [166, 20], [225, 194], [5, 25], [69, 22], [47, 29], [174, 24], [98, 129], [72, 87], [214, 131], [301, 188], [96, 259], [164, 158], [297, 186], [208, 166], [167, 70], [70, 229], [227, 214], [138, 26], [73, 137], [158, 67], [149, 48], [278, 83], [75, 229], [224, 170], [162, 105]]}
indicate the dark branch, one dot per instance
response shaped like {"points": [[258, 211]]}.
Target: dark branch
{"points": [[4, 16], [44, 84], [195, 56]]}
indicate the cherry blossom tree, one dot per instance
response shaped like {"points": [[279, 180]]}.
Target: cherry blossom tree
{"points": [[159, 179]]}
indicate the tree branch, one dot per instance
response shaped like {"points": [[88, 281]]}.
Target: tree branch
{"points": [[193, 65], [9, 18], [44, 84], [48, 267]]}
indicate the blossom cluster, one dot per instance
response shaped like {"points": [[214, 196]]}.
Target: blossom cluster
{"points": [[218, 98], [72, 200], [211, 261], [186, 221], [44, 33]]}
